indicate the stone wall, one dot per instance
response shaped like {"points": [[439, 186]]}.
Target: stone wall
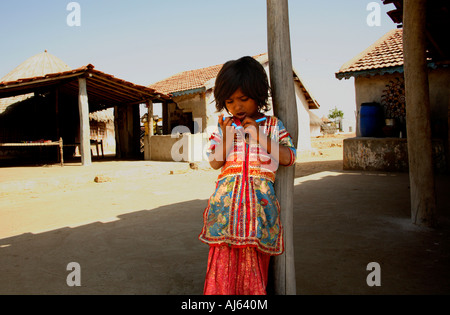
{"points": [[385, 154]]}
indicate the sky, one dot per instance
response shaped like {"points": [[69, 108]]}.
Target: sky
{"points": [[145, 41]]}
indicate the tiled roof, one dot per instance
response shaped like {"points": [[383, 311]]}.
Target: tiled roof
{"points": [[387, 52], [193, 81], [101, 86], [189, 80]]}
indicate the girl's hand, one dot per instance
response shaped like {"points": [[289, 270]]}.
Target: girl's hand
{"points": [[224, 123], [251, 127], [220, 153]]}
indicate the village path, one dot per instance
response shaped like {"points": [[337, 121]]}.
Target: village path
{"points": [[135, 231]]}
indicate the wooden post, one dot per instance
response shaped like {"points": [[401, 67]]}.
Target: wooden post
{"points": [[285, 108], [61, 152], [150, 118], [136, 132], [85, 133], [421, 176], [165, 114], [57, 119], [117, 130], [148, 138]]}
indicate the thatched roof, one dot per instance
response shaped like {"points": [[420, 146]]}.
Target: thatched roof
{"points": [[36, 66], [314, 120], [105, 116]]}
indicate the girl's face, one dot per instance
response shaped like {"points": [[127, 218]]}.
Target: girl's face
{"points": [[241, 106]]}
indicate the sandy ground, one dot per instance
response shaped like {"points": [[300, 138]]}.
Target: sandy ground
{"points": [[121, 187], [134, 230]]}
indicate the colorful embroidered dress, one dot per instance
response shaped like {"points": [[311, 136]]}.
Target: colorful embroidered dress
{"points": [[244, 211]]}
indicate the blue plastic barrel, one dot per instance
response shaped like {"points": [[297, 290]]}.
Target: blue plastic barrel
{"points": [[370, 117]]}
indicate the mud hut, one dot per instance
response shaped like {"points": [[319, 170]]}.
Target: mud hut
{"points": [[43, 101]]}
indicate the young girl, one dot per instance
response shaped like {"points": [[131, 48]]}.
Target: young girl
{"points": [[242, 220]]}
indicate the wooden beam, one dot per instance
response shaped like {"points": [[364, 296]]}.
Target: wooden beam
{"points": [[284, 103], [85, 132], [421, 174]]}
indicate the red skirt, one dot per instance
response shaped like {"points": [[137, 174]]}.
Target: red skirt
{"points": [[236, 271]]}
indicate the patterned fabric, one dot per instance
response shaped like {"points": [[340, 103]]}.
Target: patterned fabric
{"points": [[244, 211], [236, 271]]}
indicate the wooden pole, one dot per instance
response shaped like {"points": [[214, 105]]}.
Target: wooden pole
{"points": [[285, 108], [57, 118], [421, 176], [165, 114], [150, 118], [136, 131], [118, 125], [61, 151], [85, 133], [149, 136]]}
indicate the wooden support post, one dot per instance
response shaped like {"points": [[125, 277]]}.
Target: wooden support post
{"points": [[136, 131], [285, 108], [117, 130], [61, 151], [421, 176], [57, 118], [165, 114], [148, 137], [150, 118], [85, 133]]}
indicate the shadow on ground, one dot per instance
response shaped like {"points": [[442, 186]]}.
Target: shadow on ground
{"points": [[343, 221], [146, 252]]}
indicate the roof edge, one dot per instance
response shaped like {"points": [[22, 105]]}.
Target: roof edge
{"points": [[382, 71], [369, 72], [189, 92]]}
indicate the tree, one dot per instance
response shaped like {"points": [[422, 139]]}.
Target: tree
{"points": [[336, 115]]}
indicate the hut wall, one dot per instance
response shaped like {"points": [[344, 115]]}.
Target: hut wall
{"points": [[181, 147], [187, 109], [37, 119], [370, 89], [304, 122], [29, 120]]}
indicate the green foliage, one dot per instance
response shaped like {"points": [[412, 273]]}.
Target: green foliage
{"points": [[335, 114]]}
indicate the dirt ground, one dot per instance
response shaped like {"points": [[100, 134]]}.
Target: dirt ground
{"points": [[327, 155], [119, 189], [132, 227]]}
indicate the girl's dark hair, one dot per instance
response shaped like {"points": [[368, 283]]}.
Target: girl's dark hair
{"points": [[247, 74]]}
